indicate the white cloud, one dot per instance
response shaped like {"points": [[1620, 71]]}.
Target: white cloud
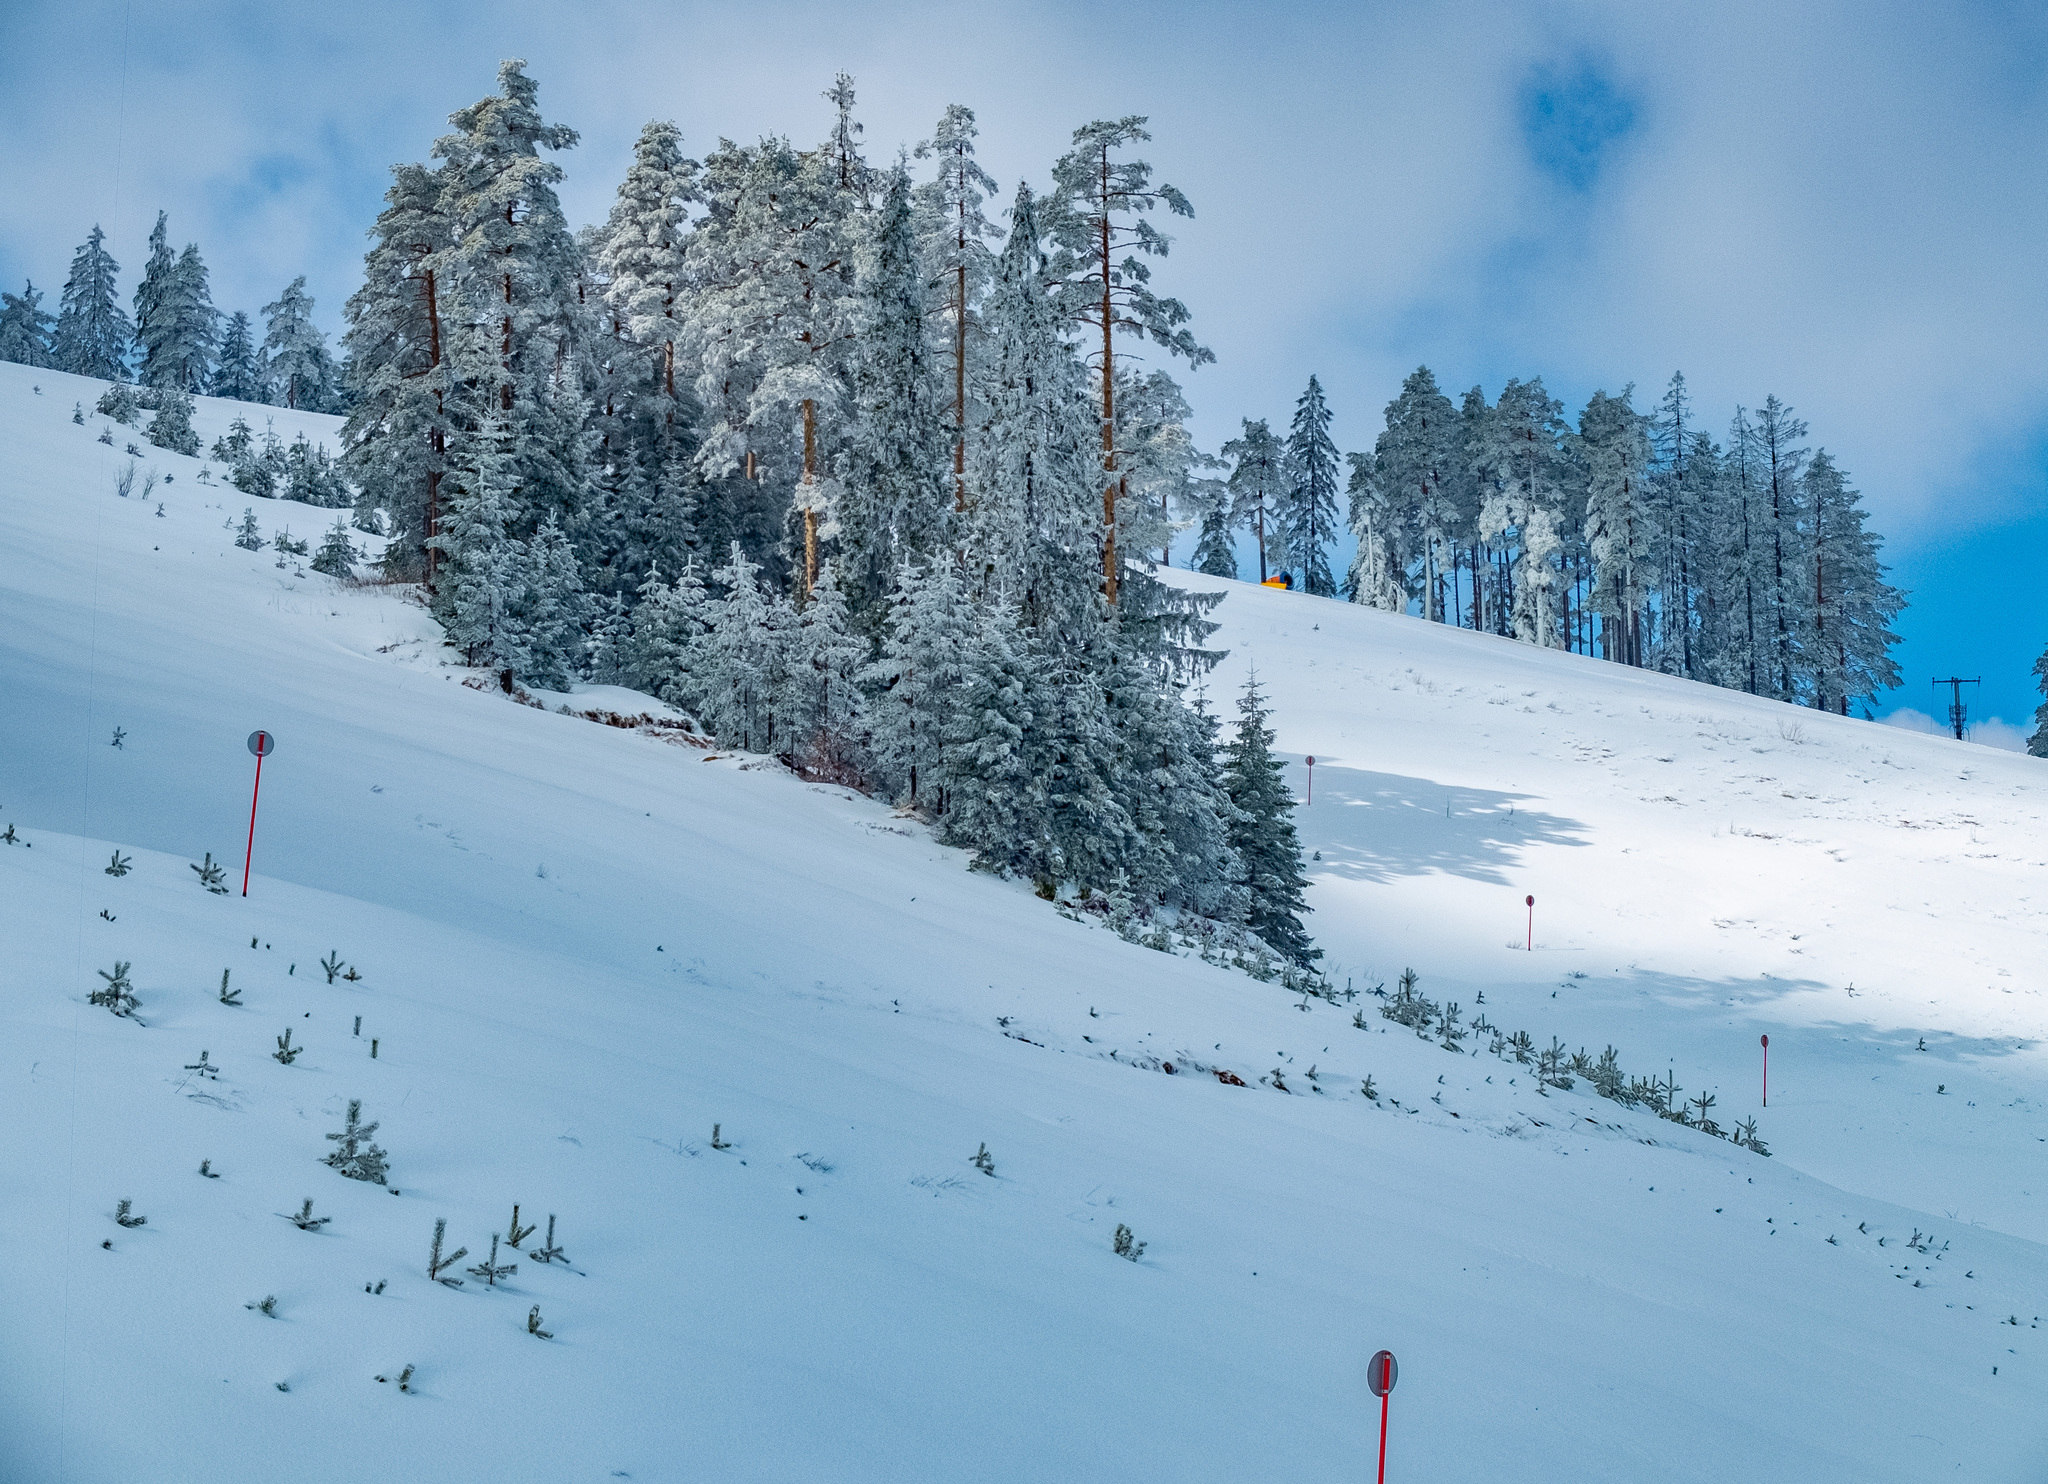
{"points": [[1993, 731]]}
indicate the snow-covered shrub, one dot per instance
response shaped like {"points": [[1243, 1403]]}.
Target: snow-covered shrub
{"points": [[118, 994], [1123, 1244], [119, 402], [171, 428]]}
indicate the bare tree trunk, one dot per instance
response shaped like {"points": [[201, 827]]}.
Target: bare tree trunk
{"points": [[1109, 563], [960, 376], [438, 438]]}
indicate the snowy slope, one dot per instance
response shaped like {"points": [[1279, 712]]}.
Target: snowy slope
{"points": [[580, 946]]}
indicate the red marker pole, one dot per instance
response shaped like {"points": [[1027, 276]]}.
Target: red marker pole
{"points": [[260, 743], [1311, 778], [1380, 1373], [1767, 1071], [1532, 923]]}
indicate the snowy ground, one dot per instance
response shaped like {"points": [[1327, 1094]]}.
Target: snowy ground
{"points": [[581, 945]]}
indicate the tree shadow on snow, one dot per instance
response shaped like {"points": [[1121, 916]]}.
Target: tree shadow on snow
{"points": [[1378, 826]]}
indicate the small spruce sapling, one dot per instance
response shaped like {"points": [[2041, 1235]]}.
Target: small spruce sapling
{"points": [[405, 1376], [548, 1251], [332, 964], [1372, 1093], [490, 1269], [212, 877], [266, 1306], [118, 995], [306, 1221], [533, 1324], [122, 1218], [247, 537], [286, 1052], [984, 1161], [228, 996], [118, 866], [354, 1155], [716, 1141], [203, 1067], [1124, 1246], [120, 736], [515, 1234], [436, 1263], [207, 1170], [9, 837]]}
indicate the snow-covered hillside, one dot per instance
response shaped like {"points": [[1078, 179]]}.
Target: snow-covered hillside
{"points": [[580, 946]]}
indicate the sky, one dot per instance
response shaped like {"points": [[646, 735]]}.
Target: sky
{"points": [[1840, 205]]}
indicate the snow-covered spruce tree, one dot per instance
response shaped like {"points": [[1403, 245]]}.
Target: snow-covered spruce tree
{"points": [[310, 475], [953, 236], [1310, 510], [1377, 577], [1523, 472], [771, 327], [176, 325], [238, 368], [479, 594], [92, 333], [644, 410], [744, 657], [1262, 833], [996, 804], [1215, 548], [511, 270], [818, 705], [25, 329], [1615, 441], [1678, 504], [1779, 558], [1034, 455], [1413, 461], [354, 1155], [1163, 492], [1097, 218], [664, 654], [337, 554], [293, 347], [2037, 744], [249, 536], [395, 443], [917, 684], [1256, 487], [171, 428], [1849, 637], [893, 504]]}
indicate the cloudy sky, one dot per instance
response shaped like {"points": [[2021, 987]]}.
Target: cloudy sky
{"points": [[1844, 205]]}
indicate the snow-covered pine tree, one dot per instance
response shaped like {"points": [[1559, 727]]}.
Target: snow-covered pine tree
{"points": [[893, 503], [92, 333], [744, 657], [512, 269], [819, 702], [1310, 511], [771, 329], [1614, 440], [310, 475], [171, 428], [152, 309], [1262, 832], [1034, 457], [1377, 577], [1523, 471], [551, 607], [665, 654], [917, 684], [2037, 744], [996, 803], [1781, 556], [1215, 546], [337, 554], [178, 332], [479, 597], [1097, 218], [953, 236], [238, 371], [25, 328], [1158, 461], [645, 412], [1413, 475], [395, 443], [292, 346], [1848, 637], [1257, 484], [1677, 501], [354, 1155]]}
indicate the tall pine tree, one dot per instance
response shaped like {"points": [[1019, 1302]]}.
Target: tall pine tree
{"points": [[1262, 832], [92, 333], [1310, 513]]}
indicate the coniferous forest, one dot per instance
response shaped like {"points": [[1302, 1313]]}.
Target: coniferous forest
{"points": [[854, 463]]}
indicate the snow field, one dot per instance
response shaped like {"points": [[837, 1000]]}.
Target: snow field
{"points": [[581, 946]]}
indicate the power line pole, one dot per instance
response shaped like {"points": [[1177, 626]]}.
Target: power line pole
{"points": [[1958, 714]]}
